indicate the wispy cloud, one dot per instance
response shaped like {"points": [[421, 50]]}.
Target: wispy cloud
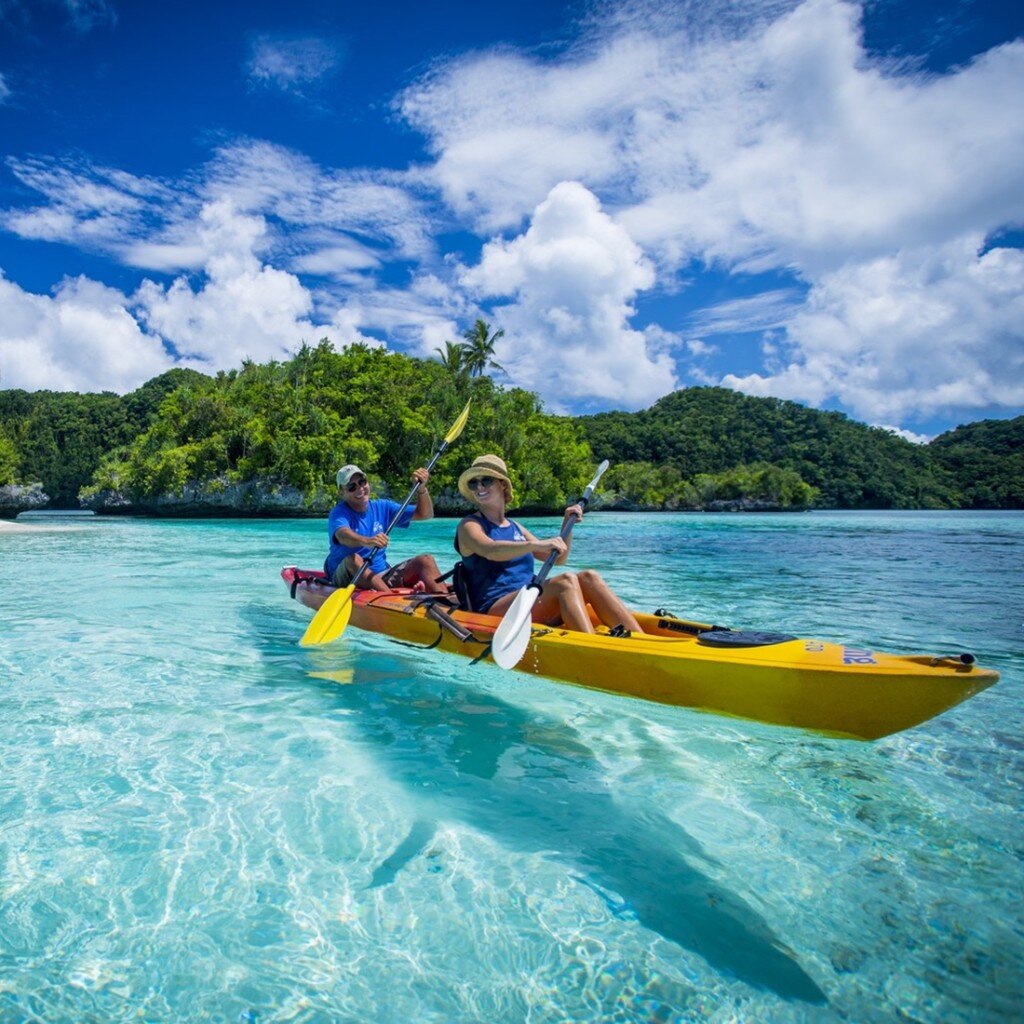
{"points": [[381, 206], [5, 89], [85, 15], [99, 209], [329, 220], [766, 311], [293, 64]]}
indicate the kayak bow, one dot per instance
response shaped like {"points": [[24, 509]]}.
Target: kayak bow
{"points": [[768, 677]]}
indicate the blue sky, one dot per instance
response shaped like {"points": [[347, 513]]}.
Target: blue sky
{"points": [[820, 201]]}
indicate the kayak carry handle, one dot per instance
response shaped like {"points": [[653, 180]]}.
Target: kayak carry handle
{"points": [[965, 658]]}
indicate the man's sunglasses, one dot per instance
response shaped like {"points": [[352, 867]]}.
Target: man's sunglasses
{"points": [[354, 485], [481, 481]]}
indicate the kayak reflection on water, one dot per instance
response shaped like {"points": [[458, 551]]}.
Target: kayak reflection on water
{"points": [[530, 783]]}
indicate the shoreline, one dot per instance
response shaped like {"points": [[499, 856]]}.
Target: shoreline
{"points": [[10, 526]]}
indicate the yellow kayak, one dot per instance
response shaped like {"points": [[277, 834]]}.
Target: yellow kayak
{"points": [[768, 677]]}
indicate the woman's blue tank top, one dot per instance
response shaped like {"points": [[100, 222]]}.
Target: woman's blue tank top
{"points": [[487, 580]]}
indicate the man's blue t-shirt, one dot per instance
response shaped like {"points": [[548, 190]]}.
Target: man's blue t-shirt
{"points": [[379, 513]]}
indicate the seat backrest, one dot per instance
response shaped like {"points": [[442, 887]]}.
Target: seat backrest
{"points": [[459, 586]]}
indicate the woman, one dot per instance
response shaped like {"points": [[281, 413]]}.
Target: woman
{"points": [[498, 553]]}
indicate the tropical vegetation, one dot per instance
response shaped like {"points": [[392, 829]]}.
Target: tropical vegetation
{"points": [[987, 460], [474, 355], [288, 425], [275, 433], [8, 459]]}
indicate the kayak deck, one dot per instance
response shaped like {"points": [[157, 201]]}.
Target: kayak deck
{"points": [[767, 677]]}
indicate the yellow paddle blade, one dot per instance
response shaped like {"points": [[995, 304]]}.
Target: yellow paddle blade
{"points": [[330, 621], [342, 676], [458, 424]]}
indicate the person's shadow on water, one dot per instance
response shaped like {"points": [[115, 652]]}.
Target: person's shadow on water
{"points": [[530, 783]]}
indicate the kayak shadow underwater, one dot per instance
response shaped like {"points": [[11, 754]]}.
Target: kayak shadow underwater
{"points": [[529, 782]]}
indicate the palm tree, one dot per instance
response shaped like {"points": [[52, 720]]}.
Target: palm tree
{"points": [[478, 352], [453, 357]]}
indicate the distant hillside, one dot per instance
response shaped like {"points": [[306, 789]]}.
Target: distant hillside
{"points": [[710, 430], [60, 436], [266, 438], [987, 461]]}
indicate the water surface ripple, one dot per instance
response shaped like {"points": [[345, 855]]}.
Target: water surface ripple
{"points": [[201, 821]]}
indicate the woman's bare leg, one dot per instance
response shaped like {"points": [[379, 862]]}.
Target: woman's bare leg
{"points": [[560, 603], [562, 600], [608, 605]]}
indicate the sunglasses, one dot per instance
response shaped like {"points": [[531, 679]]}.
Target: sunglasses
{"points": [[481, 481], [354, 485]]}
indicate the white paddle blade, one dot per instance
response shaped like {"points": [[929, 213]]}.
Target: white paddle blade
{"points": [[592, 486], [513, 633]]}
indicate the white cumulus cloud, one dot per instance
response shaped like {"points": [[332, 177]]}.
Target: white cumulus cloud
{"points": [[91, 337], [914, 333], [244, 309], [571, 278], [769, 144], [82, 338]]}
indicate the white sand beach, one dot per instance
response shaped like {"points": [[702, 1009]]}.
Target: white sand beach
{"points": [[10, 526]]}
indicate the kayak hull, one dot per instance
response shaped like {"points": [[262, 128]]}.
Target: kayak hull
{"points": [[807, 684]]}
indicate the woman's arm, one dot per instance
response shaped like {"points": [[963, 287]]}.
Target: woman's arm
{"points": [[572, 512], [473, 541]]}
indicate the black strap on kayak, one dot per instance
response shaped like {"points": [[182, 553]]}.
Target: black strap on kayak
{"points": [[666, 620], [302, 576]]}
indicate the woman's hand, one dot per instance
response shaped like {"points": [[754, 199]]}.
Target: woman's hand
{"points": [[545, 547], [573, 511]]}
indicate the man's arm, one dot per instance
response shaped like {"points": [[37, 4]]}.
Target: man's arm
{"points": [[424, 503]]}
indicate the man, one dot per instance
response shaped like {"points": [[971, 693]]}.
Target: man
{"points": [[357, 525]]}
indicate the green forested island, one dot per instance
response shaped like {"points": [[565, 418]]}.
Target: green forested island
{"points": [[267, 439]]}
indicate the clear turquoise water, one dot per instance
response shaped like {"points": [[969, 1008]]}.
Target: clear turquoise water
{"points": [[200, 821]]}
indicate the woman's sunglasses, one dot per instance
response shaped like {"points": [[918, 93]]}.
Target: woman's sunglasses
{"points": [[481, 481], [355, 484]]}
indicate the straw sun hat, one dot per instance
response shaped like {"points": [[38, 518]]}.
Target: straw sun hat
{"points": [[485, 465]]}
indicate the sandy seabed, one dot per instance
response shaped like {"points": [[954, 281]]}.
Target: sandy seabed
{"points": [[11, 526], [7, 526]]}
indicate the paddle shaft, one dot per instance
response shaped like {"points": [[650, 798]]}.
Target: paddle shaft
{"points": [[405, 504], [513, 633], [567, 526], [541, 575]]}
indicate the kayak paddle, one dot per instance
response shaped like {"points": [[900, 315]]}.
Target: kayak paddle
{"points": [[513, 633], [332, 618]]}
